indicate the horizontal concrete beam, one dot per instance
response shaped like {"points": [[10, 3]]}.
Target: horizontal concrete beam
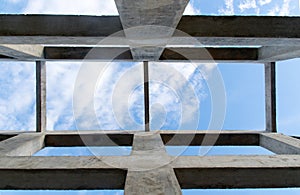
{"points": [[208, 139], [22, 145], [210, 54], [169, 54], [59, 173], [280, 144], [236, 30], [88, 53], [22, 52], [238, 171], [277, 53], [89, 140]]}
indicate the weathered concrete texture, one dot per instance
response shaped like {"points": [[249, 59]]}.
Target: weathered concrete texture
{"points": [[147, 20], [22, 145], [61, 179], [41, 111], [238, 171], [150, 169], [68, 140], [88, 53], [273, 53], [236, 30], [181, 54], [280, 144], [154, 182], [239, 178], [154, 176], [210, 139], [270, 96], [22, 52]]}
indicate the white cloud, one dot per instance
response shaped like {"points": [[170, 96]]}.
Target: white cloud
{"points": [[285, 9], [229, 10], [247, 4], [61, 78], [77, 7], [191, 9], [281, 10], [17, 99], [264, 2]]}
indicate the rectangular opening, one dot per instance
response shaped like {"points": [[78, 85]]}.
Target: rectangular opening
{"points": [[216, 150], [85, 151], [17, 100], [245, 95]]}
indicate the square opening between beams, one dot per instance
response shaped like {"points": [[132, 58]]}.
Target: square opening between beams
{"points": [[213, 144], [87, 145]]}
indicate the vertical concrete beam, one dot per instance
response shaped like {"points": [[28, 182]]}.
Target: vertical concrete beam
{"points": [[148, 25], [146, 96], [270, 97], [22, 145], [280, 144], [150, 171], [41, 120]]}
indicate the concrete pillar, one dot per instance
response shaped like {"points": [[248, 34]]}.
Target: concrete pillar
{"points": [[270, 96], [41, 119]]}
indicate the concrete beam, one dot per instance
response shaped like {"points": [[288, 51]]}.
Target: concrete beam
{"points": [[149, 172], [155, 181], [88, 53], [208, 139], [41, 111], [280, 144], [238, 171], [145, 21], [236, 30], [146, 96], [22, 52], [22, 145], [68, 140], [207, 54], [277, 53], [270, 96], [59, 173]]}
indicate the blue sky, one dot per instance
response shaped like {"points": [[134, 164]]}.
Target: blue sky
{"points": [[244, 83]]}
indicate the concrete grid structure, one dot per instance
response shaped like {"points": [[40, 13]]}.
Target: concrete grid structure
{"points": [[149, 169]]}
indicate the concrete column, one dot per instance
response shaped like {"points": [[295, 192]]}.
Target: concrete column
{"points": [[150, 172], [270, 97], [146, 96], [41, 119]]}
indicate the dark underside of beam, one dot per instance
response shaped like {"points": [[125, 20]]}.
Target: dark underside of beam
{"points": [[169, 54], [4, 137], [216, 139], [203, 26], [62, 179], [89, 140], [87, 53], [3, 57], [210, 54], [196, 178]]}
